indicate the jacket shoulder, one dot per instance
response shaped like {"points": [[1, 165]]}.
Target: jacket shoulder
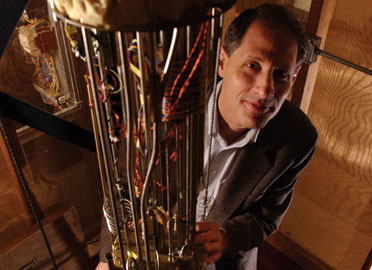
{"points": [[297, 121], [291, 127]]}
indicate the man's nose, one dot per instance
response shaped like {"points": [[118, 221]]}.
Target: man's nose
{"points": [[264, 86]]}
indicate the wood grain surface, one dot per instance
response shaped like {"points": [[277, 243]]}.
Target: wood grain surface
{"points": [[60, 173], [13, 219], [65, 237], [331, 214]]}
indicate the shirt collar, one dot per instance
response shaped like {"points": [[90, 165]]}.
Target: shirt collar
{"points": [[248, 137]]}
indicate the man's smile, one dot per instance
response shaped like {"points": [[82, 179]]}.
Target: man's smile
{"points": [[256, 108]]}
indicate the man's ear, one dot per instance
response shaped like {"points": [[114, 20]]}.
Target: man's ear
{"points": [[222, 62], [295, 76]]}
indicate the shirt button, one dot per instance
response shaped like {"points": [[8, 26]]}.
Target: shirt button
{"points": [[214, 172]]}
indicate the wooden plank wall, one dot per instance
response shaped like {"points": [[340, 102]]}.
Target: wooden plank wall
{"points": [[65, 238], [59, 173], [331, 214], [13, 215]]}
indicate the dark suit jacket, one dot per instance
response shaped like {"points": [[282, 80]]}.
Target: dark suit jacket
{"points": [[258, 189]]}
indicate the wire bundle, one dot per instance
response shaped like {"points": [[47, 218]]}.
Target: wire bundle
{"points": [[182, 97], [45, 79]]}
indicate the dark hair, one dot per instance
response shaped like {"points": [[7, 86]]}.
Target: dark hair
{"points": [[268, 14]]}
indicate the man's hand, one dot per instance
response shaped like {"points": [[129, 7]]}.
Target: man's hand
{"points": [[102, 266], [211, 238]]}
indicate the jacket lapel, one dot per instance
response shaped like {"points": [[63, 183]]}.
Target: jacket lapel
{"points": [[248, 169]]}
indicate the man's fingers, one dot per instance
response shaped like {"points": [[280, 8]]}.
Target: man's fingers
{"points": [[209, 236], [205, 226], [212, 246]]}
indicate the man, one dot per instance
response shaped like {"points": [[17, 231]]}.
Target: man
{"points": [[266, 141], [260, 142]]}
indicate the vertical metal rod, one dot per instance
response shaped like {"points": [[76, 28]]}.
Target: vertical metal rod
{"points": [[162, 38], [183, 162], [143, 86], [154, 111], [169, 199], [101, 128], [124, 212], [206, 180], [188, 40], [188, 173], [188, 138], [126, 108], [178, 184], [213, 21], [144, 195], [110, 124], [96, 139], [111, 129], [196, 145], [170, 57]]}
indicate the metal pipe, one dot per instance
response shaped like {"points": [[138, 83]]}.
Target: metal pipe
{"points": [[101, 128], [122, 74], [145, 190], [342, 61], [169, 199], [170, 58], [143, 86], [96, 139], [206, 180], [126, 111]]}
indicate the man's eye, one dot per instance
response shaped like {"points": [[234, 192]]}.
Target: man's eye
{"points": [[254, 66], [281, 75]]}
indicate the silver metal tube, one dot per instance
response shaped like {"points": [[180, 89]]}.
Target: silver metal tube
{"points": [[169, 198], [343, 61], [143, 86], [101, 127], [145, 191], [126, 110], [162, 157], [206, 180], [122, 71], [188, 149], [188, 40], [171, 51]]}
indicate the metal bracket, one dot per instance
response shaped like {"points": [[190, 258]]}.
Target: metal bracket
{"points": [[313, 44]]}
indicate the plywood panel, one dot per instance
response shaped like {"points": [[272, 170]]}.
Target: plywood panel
{"points": [[64, 173], [15, 213], [65, 238], [12, 217], [61, 173], [326, 236], [331, 214]]}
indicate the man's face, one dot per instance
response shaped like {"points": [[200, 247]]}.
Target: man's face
{"points": [[257, 77]]}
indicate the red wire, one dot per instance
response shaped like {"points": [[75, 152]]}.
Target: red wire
{"points": [[188, 59]]}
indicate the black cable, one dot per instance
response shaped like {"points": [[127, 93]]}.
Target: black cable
{"points": [[25, 188]]}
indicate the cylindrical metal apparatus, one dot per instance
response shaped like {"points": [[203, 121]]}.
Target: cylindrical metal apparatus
{"points": [[147, 87]]}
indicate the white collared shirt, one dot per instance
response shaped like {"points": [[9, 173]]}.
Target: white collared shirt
{"points": [[222, 156]]}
